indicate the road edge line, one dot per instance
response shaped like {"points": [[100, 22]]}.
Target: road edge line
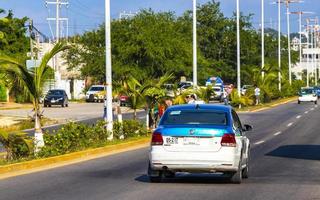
{"points": [[28, 167]]}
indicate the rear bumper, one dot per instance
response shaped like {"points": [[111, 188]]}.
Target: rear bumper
{"points": [[225, 160], [308, 98], [55, 103]]}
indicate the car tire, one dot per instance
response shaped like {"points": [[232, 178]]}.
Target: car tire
{"points": [[236, 177], [67, 105], [299, 102], [152, 178], [49, 105], [245, 171], [169, 174], [62, 105], [316, 102], [45, 105], [91, 98]]}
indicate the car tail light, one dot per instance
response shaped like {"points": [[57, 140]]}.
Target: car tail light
{"points": [[156, 139], [228, 140]]}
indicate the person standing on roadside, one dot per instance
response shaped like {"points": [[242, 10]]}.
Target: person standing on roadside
{"points": [[257, 94]]}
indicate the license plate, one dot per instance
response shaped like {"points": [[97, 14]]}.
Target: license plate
{"points": [[171, 141], [53, 101], [191, 141]]}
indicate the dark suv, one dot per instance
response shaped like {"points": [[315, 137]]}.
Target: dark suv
{"points": [[56, 97]]}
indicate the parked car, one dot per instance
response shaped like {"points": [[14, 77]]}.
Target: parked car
{"points": [[317, 89], [204, 138], [124, 100], [245, 88], [92, 93], [169, 90], [56, 97], [308, 94], [218, 93]]}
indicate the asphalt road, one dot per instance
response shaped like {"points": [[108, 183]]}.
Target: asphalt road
{"points": [[140, 115], [284, 165]]}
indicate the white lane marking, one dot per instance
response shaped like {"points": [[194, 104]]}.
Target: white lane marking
{"points": [[277, 133], [298, 117], [312, 109], [260, 142], [290, 124], [306, 112]]}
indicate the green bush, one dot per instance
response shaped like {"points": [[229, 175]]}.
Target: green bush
{"points": [[16, 145], [244, 100], [130, 128], [75, 136]]}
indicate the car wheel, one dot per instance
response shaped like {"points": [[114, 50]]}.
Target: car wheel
{"points": [[237, 177], [91, 98], [49, 105], [155, 176], [44, 105], [67, 105], [245, 171], [316, 102], [169, 174], [299, 102], [62, 105]]}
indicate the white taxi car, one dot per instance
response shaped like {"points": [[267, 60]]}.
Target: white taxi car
{"points": [[199, 138], [308, 94]]}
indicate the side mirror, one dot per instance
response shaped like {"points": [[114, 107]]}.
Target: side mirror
{"points": [[247, 127]]}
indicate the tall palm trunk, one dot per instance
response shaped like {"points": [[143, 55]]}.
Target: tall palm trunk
{"points": [[38, 135], [8, 95], [134, 114]]}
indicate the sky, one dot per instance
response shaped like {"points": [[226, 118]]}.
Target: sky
{"points": [[85, 15]]}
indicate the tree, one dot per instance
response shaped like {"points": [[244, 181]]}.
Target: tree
{"points": [[134, 90], [16, 144], [33, 80]]}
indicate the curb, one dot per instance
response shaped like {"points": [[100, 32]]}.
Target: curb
{"points": [[32, 166], [267, 107]]}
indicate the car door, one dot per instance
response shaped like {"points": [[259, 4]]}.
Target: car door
{"points": [[240, 134]]}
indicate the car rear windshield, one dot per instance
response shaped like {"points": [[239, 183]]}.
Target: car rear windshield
{"points": [[307, 91], [96, 88], [55, 92], [204, 117]]}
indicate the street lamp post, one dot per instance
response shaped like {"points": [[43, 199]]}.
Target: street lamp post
{"points": [[238, 49], [289, 42], [194, 16], [279, 44], [262, 38], [108, 99], [308, 81]]}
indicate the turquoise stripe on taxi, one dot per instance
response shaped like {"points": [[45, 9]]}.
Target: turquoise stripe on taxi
{"points": [[194, 131]]}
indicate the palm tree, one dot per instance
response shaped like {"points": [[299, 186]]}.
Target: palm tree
{"points": [[154, 92], [11, 143], [134, 90], [33, 80]]}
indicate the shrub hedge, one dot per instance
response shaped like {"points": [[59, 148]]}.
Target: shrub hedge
{"points": [[75, 136]]}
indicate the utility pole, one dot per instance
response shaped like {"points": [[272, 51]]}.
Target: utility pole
{"points": [[108, 99], [289, 42], [278, 2], [57, 19], [238, 49], [194, 16], [286, 2], [307, 52], [262, 38], [300, 13], [31, 40]]}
